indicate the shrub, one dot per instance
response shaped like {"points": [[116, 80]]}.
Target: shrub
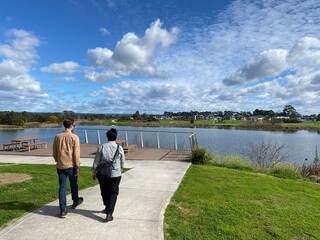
{"points": [[236, 162], [216, 159], [285, 170], [200, 156], [265, 154], [310, 170]]}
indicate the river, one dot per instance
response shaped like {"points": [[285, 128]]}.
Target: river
{"points": [[299, 145]]}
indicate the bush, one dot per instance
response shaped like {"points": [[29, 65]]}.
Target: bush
{"points": [[236, 162], [200, 156], [285, 170], [265, 154]]}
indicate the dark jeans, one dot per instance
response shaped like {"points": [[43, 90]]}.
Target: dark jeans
{"points": [[109, 191], [63, 174]]}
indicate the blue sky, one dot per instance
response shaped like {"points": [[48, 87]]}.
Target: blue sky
{"points": [[122, 56]]}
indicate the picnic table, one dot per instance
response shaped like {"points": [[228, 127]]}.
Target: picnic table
{"points": [[121, 142], [28, 143], [124, 144]]}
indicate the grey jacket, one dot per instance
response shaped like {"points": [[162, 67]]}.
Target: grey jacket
{"points": [[106, 152]]}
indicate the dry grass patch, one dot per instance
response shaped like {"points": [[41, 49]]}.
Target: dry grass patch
{"points": [[7, 178]]}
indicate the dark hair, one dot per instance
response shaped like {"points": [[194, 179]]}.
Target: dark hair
{"points": [[112, 134], [68, 122]]}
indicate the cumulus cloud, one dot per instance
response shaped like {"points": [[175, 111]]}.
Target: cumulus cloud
{"points": [[305, 54], [252, 54], [18, 55], [132, 54], [129, 96], [66, 67], [256, 55], [99, 56], [270, 63]]}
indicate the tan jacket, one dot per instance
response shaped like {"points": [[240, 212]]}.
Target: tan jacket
{"points": [[66, 150]]}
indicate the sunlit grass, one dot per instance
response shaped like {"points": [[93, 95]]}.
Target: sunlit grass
{"points": [[17, 199], [220, 203]]}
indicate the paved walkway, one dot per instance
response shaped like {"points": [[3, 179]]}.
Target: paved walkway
{"points": [[145, 192]]}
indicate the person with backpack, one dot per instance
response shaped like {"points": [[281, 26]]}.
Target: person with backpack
{"points": [[107, 165]]}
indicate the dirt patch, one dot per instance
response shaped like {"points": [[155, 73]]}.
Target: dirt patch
{"points": [[6, 178]]}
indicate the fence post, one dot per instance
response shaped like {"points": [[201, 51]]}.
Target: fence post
{"points": [[98, 136], [175, 142], [85, 136], [193, 141], [126, 134], [141, 138], [158, 140]]}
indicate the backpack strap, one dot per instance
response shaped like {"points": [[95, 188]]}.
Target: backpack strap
{"points": [[116, 154]]}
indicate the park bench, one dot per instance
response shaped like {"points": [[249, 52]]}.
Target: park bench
{"points": [[7, 146], [35, 145], [129, 147]]}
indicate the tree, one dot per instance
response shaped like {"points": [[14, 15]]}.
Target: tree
{"points": [[136, 115], [53, 119], [290, 111], [261, 112]]}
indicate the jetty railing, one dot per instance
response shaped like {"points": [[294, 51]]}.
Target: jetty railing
{"points": [[148, 138]]}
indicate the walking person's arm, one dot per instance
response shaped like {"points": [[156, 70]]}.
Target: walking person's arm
{"points": [[122, 157], [96, 162], [76, 155], [54, 150]]}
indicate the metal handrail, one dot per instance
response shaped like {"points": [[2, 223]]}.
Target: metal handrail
{"points": [[192, 137], [193, 141]]}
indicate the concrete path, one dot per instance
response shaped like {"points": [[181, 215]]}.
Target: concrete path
{"points": [[145, 192]]}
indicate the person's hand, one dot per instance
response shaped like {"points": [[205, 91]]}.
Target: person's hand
{"points": [[77, 171], [94, 175]]}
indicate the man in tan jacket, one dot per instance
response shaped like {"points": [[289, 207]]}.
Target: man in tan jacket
{"points": [[66, 153]]}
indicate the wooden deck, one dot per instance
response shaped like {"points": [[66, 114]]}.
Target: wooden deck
{"points": [[89, 150]]}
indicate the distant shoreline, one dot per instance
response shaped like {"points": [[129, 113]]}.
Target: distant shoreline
{"points": [[241, 125]]}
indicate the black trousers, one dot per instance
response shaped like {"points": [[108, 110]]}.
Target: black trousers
{"points": [[109, 191]]}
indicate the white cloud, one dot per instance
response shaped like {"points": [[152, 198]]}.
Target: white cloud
{"points": [[104, 31], [99, 56], [255, 55], [252, 54], [66, 67], [269, 64], [18, 55], [305, 54], [21, 47], [132, 55]]}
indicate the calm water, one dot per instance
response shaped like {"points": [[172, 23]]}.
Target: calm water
{"points": [[299, 145]]}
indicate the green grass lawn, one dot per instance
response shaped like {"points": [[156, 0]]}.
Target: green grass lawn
{"points": [[19, 198], [210, 203], [220, 203]]}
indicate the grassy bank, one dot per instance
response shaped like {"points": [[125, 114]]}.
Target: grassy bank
{"points": [[17, 199], [239, 124], [30, 125], [220, 203]]}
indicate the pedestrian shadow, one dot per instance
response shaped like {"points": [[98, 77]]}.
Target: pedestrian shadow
{"points": [[54, 211]]}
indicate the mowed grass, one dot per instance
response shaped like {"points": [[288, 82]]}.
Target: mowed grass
{"points": [[17, 199], [219, 203]]}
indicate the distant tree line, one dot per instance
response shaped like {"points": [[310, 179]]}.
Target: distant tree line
{"points": [[22, 118]]}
